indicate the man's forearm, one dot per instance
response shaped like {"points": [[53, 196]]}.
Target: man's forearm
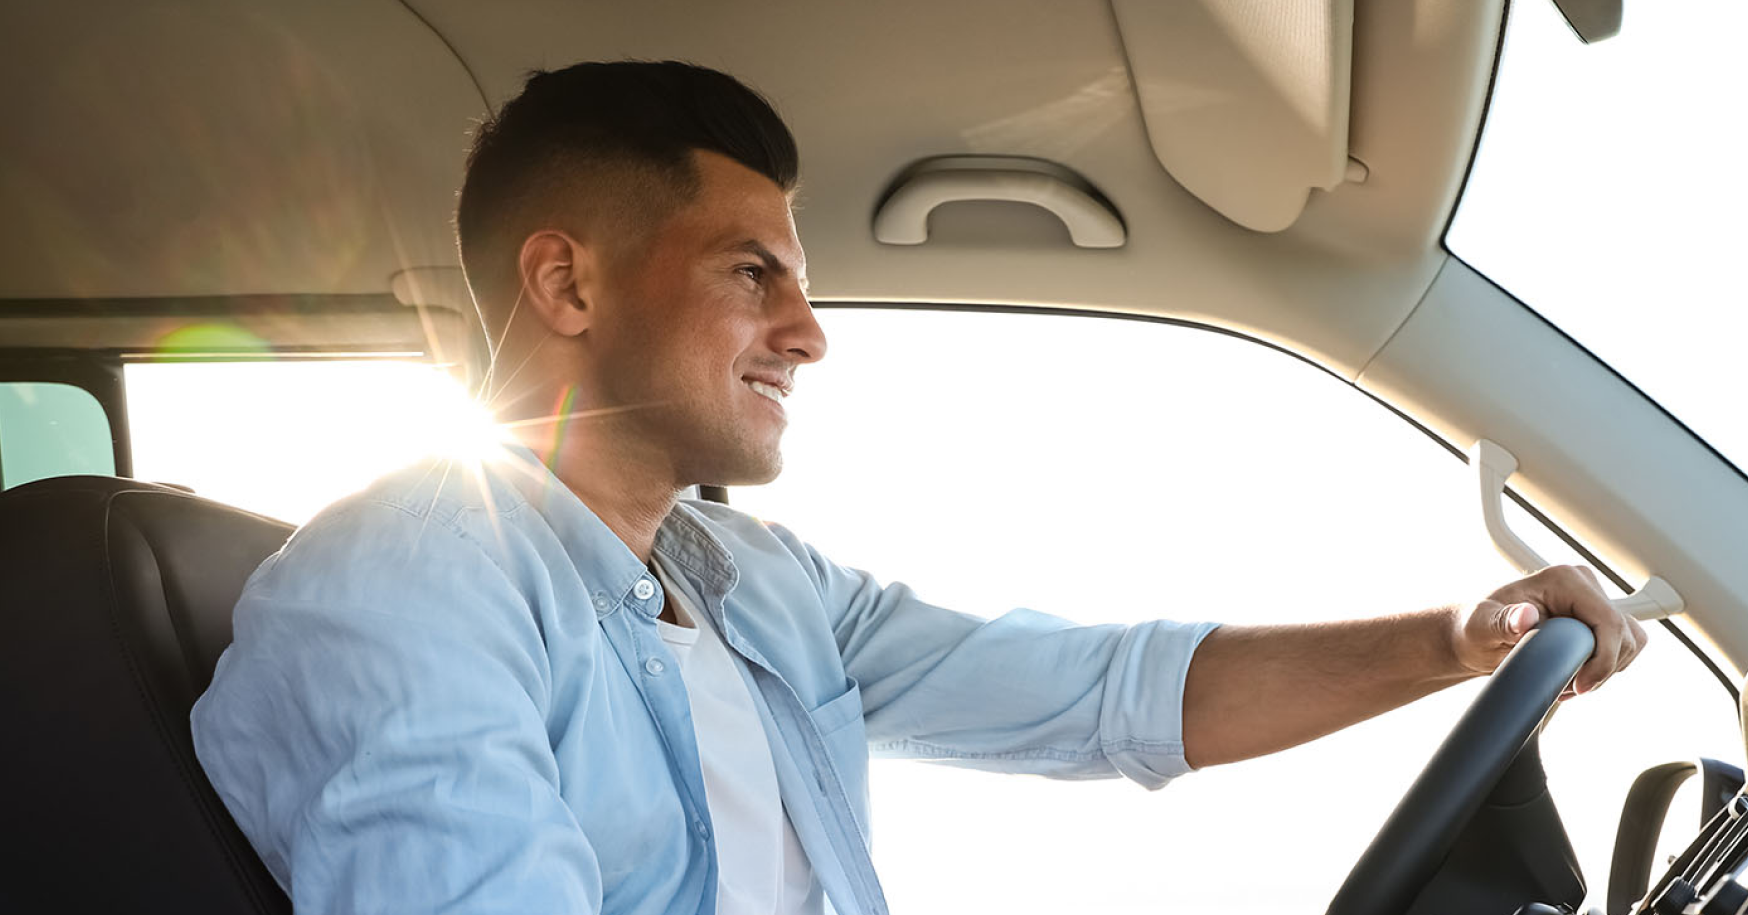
{"points": [[1253, 690]]}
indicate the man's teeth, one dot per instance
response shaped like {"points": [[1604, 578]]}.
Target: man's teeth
{"points": [[763, 389]]}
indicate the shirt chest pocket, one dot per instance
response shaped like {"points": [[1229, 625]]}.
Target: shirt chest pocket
{"points": [[840, 725]]}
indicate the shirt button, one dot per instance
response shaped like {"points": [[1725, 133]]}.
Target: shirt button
{"points": [[703, 829], [644, 589], [654, 666], [601, 601]]}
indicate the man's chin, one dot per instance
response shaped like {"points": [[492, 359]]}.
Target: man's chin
{"points": [[752, 472], [758, 479]]}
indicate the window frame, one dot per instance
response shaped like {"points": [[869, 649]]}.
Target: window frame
{"points": [[1444, 244]]}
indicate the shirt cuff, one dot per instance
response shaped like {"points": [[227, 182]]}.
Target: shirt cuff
{"points": [[1141, 722]]}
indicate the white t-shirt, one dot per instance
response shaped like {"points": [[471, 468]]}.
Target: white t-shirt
{"points": [[761, 868]]}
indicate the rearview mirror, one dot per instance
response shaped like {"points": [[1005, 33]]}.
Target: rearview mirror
{"points": [[1593, 20]]}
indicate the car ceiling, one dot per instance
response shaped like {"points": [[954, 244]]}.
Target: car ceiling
{"points": [[290, 168], [208, 148]]}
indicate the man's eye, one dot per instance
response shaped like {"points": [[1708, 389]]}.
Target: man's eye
{"points": [[751, 271]]}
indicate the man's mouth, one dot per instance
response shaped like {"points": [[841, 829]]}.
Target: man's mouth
{"points": [[765, 389]]}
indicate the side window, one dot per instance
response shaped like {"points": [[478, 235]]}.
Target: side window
{"points": [[1114, 471], [48, 430], [285, 438]]}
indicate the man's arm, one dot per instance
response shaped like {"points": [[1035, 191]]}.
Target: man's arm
{"points": [[376, 728], [1025, 692], [1255, 690]]}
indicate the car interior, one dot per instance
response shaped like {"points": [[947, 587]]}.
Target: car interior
{"points": [[200, 182]]}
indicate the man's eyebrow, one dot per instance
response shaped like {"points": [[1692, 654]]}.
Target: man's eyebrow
{"points": [[771, 261]]}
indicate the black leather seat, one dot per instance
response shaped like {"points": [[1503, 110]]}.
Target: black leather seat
{"points": [[115, 603]]}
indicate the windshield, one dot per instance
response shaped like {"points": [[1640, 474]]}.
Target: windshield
{"points": [[1609, 193]]}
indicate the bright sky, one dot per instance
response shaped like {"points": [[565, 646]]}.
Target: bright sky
{"points": [[1159, 471]]}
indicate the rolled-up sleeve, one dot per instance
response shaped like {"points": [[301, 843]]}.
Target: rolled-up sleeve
{"points": [[377, 729], [1025, 692]]}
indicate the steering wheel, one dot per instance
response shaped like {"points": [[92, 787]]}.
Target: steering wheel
{"points": [[1407, 851]]}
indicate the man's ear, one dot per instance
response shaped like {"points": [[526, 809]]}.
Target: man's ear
{"points": [[558, 277]]}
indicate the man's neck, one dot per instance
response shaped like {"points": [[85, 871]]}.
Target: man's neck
{"points": [[631, 497]]}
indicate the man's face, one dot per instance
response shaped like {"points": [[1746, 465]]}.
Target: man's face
{"points": [[702, 329]]}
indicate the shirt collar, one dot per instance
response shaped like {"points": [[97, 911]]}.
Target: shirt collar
{"points": [[600, 557], [685, 539]]}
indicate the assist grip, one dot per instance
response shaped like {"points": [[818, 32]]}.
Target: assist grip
{"points": [[1493, 466], [902, 218]]}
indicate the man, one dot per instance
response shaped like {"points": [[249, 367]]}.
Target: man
{"points": [[544, 684]]}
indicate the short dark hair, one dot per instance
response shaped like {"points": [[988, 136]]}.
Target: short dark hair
{"points": [[604, 129]]}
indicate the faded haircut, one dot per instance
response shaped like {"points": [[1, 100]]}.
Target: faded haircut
{"points": [[605, 145]]}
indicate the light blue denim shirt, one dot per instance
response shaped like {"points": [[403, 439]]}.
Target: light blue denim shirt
{"points": [[447, 692]]}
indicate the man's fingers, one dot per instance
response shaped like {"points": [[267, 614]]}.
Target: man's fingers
{"points": [[1604, 664], [1629, 650], [1606, 659], [1516, 619], [1577, 588], [1594, 671], [1571, 591], [1632, 644]]}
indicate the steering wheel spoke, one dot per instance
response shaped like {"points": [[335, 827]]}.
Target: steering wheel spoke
{"points": [[1407, 851]]}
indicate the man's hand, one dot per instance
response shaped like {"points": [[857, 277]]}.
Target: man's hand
{"points": [[1483, 634]]}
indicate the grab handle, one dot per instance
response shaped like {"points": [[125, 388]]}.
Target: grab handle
{"points": [[1493, 466], [903, 216]]}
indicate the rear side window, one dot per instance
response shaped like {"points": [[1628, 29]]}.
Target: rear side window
{"points": [[49, 430], [284, 438]]}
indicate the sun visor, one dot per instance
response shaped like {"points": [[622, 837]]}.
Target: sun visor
{"points": [[1246, 101]]}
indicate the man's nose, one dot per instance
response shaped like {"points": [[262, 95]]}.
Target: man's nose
{"points": [[799, 335]]}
